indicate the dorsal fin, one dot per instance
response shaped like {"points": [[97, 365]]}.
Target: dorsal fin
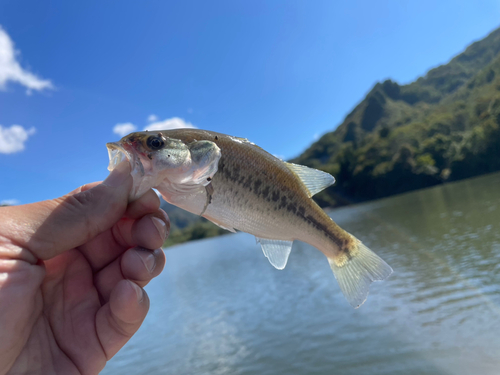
{"points": [[276, 251], [313, 179]]}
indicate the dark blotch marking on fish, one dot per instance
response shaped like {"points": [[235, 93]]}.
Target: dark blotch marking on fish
{"points": [[150, 157], [209, 179], [216, 138], [301, 211], [276, 195], [283, 202], [256, 186], [265, 193], [248, 182], [323, 228], [291, 208], [235, 172]]}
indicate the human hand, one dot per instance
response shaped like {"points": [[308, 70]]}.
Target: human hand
{"points": [[71, 276]]}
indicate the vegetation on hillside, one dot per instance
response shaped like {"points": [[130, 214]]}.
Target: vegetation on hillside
{"points": [[442, 127]]}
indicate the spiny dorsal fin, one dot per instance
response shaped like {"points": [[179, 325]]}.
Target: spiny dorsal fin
{"points": [[313, 179], [276, 251]]}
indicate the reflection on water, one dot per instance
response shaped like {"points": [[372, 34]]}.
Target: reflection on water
{"points": [[220, 308]]}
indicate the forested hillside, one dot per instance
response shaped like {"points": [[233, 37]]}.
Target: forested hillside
{"points": [[442, 127]]}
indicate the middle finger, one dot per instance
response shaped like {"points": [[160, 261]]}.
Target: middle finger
{"points": [[137, 264], [149, 231]]}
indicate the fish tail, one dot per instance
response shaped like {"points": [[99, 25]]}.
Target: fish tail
{"points": [[355, 269]]}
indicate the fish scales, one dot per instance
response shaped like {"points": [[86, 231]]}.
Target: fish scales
{"points": [[239, 186], [270, 193]]}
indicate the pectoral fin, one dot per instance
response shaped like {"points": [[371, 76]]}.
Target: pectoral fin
{"points": [[276, 251], [219, 224], [223, 227]]}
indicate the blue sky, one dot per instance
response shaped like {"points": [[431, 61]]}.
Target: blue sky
{"points": [[279, 73]]}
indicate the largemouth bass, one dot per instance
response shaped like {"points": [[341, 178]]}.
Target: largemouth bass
{"points": [[239, 186]]}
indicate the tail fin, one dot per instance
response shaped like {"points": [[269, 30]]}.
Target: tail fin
{"points": [[357, 272]]}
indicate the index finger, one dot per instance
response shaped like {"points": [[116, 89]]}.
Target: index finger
{"points": [[148, 203]]}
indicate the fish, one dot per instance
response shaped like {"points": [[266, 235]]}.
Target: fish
{"points": [[239, 186]]}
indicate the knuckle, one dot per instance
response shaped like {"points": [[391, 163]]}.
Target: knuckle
{"points": [[77, 205]]}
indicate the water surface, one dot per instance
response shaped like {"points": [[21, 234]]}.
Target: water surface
{"points": [[221, 308]]}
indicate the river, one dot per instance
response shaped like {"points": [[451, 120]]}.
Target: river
{"points": [[220, 308]]}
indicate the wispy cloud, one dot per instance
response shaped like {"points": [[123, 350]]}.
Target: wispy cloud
{"points": [[9, 202], [123, 129], [11, 70], [12, 139], [152, 118], [171, 123]]}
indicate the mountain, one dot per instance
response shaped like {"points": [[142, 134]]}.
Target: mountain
{"points": [[442, 127]]}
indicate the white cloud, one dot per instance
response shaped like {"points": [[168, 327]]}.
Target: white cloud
{"points": [[123, 129], [171, 123], [10, 70], [152, 118], [12, 139], [9, 202]]}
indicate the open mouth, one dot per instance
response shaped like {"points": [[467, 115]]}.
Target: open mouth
{"points": [[118, 153]]}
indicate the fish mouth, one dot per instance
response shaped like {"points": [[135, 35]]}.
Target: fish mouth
{"points": [[119, 152]]}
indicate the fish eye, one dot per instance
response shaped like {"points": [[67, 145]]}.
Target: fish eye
{"points": [[155, 143]]}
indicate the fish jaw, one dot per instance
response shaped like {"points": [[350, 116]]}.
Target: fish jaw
{"points": [[118, 153], [142, 171]]}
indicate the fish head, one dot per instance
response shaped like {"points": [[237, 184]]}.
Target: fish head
{"points": [[155, 158]]}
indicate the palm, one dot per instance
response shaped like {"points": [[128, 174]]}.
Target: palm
{"points": [[65, 319], [74, 315]]}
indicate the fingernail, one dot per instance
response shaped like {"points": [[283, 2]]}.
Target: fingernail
{"points": [[119, 175], [148, 258], [138, 291], [160, 226]]}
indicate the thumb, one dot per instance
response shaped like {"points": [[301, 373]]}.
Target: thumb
{"points": [[49, 228]]}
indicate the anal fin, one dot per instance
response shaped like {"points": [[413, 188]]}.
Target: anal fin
{"points": [[276, 251]]}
